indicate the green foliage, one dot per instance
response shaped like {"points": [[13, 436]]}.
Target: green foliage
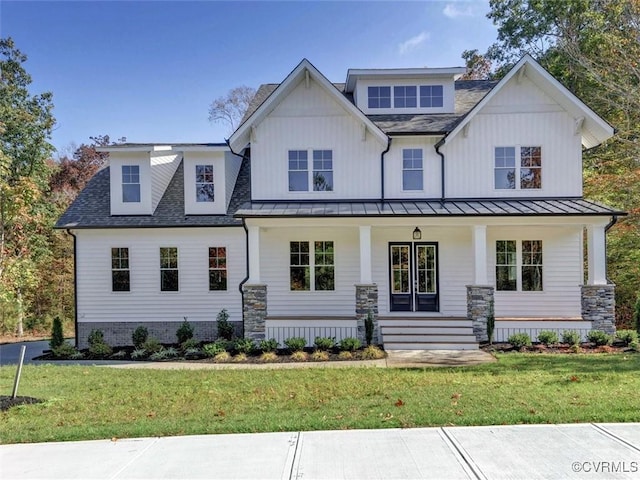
{"points": [[57, 337], [119, 355], [100, 349], [95, 337], [184, 332], [189, 344], [295, 344], [345, 355], [491, 321], [571, 337], [171, 352], [159, 356], [636, 315], [240, 357], [245, 345], [139, 354], [368, 328], [139, 336], [213, 349], [371, 352], [222, 357], [152, 345], [599, 338], [268, 357], [324, 343], [64, 350], [627, 336], [349, 344], [548, 337], [225, 328], [270, 345], [519, 340], [635, 346]]}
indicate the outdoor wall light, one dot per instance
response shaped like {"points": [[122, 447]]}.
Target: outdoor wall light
{"points": [[417, 234]]}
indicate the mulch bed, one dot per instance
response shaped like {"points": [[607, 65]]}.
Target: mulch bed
{"points": [[559, 348], [6, 401]]}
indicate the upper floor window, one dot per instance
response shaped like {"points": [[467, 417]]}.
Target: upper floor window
{"points": [[204, 183], [431, 96], [518, 167], [168, 269], [321, 174], [379, 97], [322, 170], [217, 268], [405, 97], [530, 266], [130, 183], [120, 281], [412, 178], [298, 171], [312, 271]]}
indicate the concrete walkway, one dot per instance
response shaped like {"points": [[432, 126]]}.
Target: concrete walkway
{"points": [[578, 451]]}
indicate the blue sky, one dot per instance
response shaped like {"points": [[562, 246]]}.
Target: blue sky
{"points": [[148, 71]]}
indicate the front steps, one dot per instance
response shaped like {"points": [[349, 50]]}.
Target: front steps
{"points": [[427, 333]]}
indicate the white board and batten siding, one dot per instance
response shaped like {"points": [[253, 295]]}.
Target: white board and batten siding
{"points": [[310, 119], [431, 168], [518, 115], [145, 302]]}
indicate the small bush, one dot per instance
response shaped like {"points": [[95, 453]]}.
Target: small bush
{"points": [[299, 356], [225, 329], [319, 356], [636, 315], [548, 337], [245, 345], [635, 346], [240, 357], [189, 344], [158, 356], [324, 343], [139, 336], [627, 336], [345, 355], [599, 338], [119, 355], [576, 348], [184, 332], [295, 344], [192, 353], [76, 356], [368, 328], [350, 344], [571, 337], [57, 337], [519, 340], [270, 345], [371, 353], [100, 350], [171, 352], [95, 337], [213, 349], [138, 354], [268, 357], [64, 350], [221, 357], [152, 345]]}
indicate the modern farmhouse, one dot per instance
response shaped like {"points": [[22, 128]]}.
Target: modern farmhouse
{"points": [[424, 201]]}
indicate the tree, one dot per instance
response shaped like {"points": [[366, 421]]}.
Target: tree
{"points": [[478, 66], [231, 108]]}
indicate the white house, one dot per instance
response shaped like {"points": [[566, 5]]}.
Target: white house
{"points": [[405, 194]]}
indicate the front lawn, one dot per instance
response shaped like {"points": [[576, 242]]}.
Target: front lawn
{"points": [[82, 403]]}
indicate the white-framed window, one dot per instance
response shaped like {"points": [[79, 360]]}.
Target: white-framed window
{"points": [[412, 169], [519, 265], [217, 268], [311, 271], [379, 97], [120, 273], [130, 183], [518, 168], [322, 170], [319, 178], [298, 171], [169, 269], [405, 96], [204, 183], [431, 96]]}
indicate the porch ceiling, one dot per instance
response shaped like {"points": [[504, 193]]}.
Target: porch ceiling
{"points": [[428, 208]]}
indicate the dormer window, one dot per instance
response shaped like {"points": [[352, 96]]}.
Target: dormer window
{"points": [[379, 97], [204, 183], [431, 96], [404, 97], [130, 184]]}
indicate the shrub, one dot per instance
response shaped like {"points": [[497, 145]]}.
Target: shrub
{"points": [[350, 344], [240, 357], [268, 357], [319, 356], [519, 340], [96, 336], [636, 315], [100, 349], [152, 345], [138, 354], [184, 332], [171, 352], [245, 345], [345, 355], [119, 355], [372, 353], [368, 328], [76, 356], [225, 329], [627, 336], [192, 353], [324, 343], [635, 346], [64, 350], [189, 344], [299, 356], [571, 337], [491, 322], [270, 345], [548, 337], [295, 344], [158, 356], [221, 357], [57, 337], [213, 349], [139, 336], [599, 338]]}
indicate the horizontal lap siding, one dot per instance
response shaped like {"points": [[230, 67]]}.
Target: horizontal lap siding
{"points": [[145, 301]]}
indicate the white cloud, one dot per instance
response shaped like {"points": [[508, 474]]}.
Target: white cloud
{"points": [[413, 42], [453, 10]]}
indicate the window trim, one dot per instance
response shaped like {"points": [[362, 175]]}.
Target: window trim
{"points": [[518, 168], [520, 265], [413, 169], [311, 171], [129, 175], [224, 269], [176, 269], [120, 269], [312, 266]]}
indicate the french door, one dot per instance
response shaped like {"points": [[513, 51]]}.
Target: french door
{"points": [[413, 283]]}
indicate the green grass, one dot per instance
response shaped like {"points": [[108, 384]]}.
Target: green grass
{"points": [[92, 402]]}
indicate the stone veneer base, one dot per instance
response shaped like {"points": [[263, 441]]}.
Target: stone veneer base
{"points": [[480, 302], [599, 306], [367, 301], [254, 310]]}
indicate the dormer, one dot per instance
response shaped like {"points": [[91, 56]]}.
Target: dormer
{"points": [[403, 90]]}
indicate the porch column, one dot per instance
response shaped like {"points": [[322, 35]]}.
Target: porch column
{"points": [[367, 305], [597, 255], [254, 294], [365, 255], [598, 296], [480, 254], [254, 255]]}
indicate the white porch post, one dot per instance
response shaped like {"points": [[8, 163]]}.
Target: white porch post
{"points": [[254, 255], [597, 259], [366, 277], [480, 255]]}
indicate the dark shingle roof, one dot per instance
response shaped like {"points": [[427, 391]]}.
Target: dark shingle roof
{"points": [[91, 209]]}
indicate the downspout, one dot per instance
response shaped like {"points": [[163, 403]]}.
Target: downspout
{"points": [[613, 221], [437, 146], [382, 169], [75, 285]]}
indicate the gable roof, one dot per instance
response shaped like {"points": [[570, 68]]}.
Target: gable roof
{"points": [[241, 137], [594, 130]]}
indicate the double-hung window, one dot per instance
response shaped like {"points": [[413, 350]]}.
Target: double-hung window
{"points": [[518, 168], [217, 268], [120, 279], [405, 97], [379, 97], [530, 265], [322, 170], [319, 177], [412, 177], [130, 183], [311, 271], [431, 96], [298, 171], [204, 183], [168, 269]]}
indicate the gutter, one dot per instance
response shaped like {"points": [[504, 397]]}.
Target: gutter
{"points": [[75, 285], [442, 178], [382, 168]]}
